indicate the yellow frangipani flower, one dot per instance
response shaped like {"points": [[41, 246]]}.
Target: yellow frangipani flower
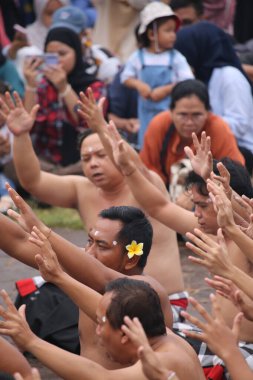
{"points": [[134, 249]]}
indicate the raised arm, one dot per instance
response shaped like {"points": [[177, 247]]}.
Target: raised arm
{"points": [[12, 360], [219, 338], [226, 221], [150, 197], [83, 267], [93, 115], [45, 186], [214, 256], [84, 297], [201, 160], [65, 364]]}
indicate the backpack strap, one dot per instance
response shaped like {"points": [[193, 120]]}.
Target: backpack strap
{"points": [[163, 153]]}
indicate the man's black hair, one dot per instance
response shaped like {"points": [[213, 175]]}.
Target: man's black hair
{"points": [[135, 226], [187, 88], [82, 136], [135, 298], [240, 180], [196, 4]]}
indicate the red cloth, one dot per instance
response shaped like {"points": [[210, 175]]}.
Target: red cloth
{"points": [[26, 286], [214, 373]]}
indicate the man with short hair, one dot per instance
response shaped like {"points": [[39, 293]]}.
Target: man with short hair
{"points": [[118, 245], [101, 187], [123, 299], [204, 217], [189, 11]]}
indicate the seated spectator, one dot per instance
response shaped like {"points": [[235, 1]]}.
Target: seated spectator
{"points": [[171, 131], [37, 31], [209, 51], [188, 11], [57, 123], [101, 62]]}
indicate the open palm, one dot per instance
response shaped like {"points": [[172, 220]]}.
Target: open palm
{"points": [[18, 120]]}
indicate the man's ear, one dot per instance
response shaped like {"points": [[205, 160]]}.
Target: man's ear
{"points": [[124, 339], [131, 263]]}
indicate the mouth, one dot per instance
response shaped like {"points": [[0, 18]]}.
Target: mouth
{"points": [[97, 175]]}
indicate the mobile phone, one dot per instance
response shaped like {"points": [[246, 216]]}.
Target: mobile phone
{"points": [[20, 29], [50, 58], [47, 58]]}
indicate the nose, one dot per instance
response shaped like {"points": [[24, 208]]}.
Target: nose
{"points": [[91, 250], [189, 120], [93, 161], [197, 211], [98, 329]]}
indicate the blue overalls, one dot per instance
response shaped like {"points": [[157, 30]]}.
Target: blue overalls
{"points": [[154, 76]]}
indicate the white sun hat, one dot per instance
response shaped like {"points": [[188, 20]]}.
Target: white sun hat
{"points": [[154, 11]]}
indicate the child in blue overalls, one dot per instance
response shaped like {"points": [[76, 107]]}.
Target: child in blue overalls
{"points": [[155, 67]]}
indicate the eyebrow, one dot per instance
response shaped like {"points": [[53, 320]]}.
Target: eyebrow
{"points": [[93, 151], [98, 240]]}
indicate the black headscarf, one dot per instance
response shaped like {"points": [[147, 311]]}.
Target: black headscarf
{"points": [[78, 78], [206, 47], [2, 57]]}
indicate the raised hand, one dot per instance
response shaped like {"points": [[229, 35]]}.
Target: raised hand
{"points": [[47, 261], [214, 331], [91, 111], [151, 365], [223, 178], [248, 230], [26, 218], [18, 120], [221, 204], [213, 255], [120, 150], [14, 323], [202, 160], [226, 288]]}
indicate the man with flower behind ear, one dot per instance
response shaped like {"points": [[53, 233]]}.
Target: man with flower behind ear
{"points": [[118, 245], [123, 300]]}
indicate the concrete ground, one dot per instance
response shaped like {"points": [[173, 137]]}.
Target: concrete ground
{"points": [[11, 270]]}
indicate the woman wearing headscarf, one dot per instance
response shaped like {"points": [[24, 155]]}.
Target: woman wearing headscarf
{"points": [[36, 32], [56, 88], [210, 53]]}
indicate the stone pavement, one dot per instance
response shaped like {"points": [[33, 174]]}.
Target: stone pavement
{"points": [[11, 270]]}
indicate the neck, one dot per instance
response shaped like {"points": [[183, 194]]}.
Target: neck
{"points": [[112, 191]]}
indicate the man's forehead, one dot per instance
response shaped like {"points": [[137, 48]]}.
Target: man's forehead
{"points": [[105, 228], [92, 141]]}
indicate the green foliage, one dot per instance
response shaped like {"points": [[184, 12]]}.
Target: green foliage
{"points": [[59, 217]]}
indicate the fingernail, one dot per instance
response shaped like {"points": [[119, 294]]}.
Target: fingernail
{"points": [[171, 375]]}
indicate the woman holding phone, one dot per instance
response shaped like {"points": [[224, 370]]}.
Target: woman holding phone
{"points": [[55, 88]]}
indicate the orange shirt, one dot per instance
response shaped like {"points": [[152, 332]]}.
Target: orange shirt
{"points": [[223, 142]]}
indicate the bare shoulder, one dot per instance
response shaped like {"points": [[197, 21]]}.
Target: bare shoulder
{"points": [[157, 181], [152, 282]]}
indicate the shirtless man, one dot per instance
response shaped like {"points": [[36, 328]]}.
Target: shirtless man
{"points": [[182, 220], [123, 297], [102, 187], [104, 259]]}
